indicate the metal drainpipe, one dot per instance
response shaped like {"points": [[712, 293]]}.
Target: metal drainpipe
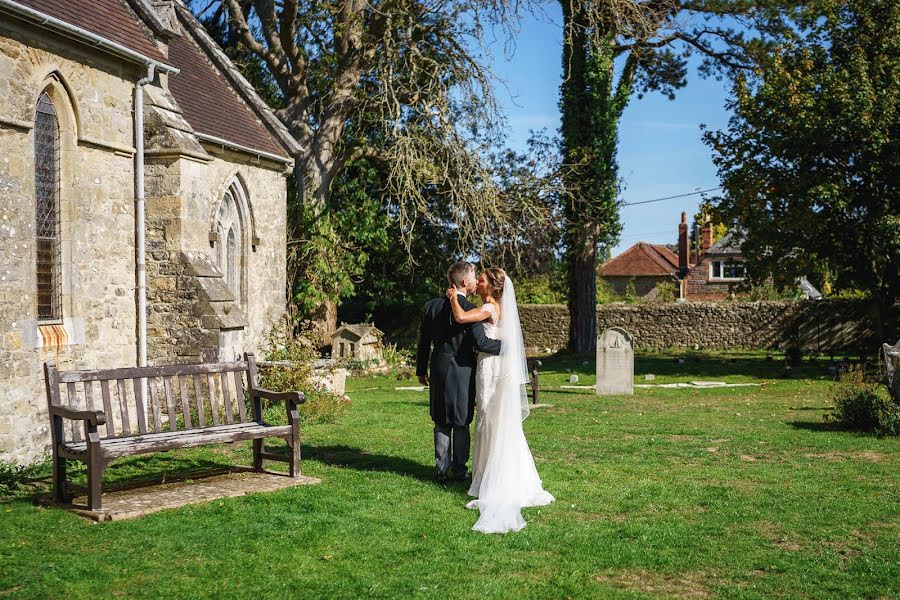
{"points": [[140, 210]]}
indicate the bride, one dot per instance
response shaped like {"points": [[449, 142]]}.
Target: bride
{"points": [[504, 478]]}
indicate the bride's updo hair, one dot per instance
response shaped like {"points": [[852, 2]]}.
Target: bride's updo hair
{"points": [[496, 278]]}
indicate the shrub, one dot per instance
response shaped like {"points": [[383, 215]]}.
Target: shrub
{"points": [[397, 357], [862, 405], [665, 291], [539, 289], [18, 480], [293, 359]]}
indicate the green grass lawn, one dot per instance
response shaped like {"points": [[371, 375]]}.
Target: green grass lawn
{"points": [[729, 492]]}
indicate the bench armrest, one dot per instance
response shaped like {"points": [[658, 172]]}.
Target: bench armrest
{"points": [[96, 417], [292, 397]]}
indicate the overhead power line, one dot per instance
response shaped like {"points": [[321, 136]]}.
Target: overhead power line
{"points": [[670, 197]]}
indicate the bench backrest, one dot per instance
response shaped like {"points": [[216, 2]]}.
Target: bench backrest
{"points": [[141, 400]]}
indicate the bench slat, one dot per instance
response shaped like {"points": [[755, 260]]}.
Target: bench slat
{"points": [[155, 403], [139, 406], [226, 398], [198, 395], [185, 403], [107, 409], [183, 439], [73, 404], [144, 372], [123, 407], [170, 404], [89, 395], [212, 398], [239, 392]]}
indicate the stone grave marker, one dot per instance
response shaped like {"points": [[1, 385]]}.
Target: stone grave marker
{"points": [[615, 362]]}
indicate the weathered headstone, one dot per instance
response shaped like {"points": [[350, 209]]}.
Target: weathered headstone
{"points": [[615, 362]]}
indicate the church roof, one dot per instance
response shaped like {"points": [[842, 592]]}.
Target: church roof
{"points": [[216, 100], [210, 103], [110, 19], [641, 259]]}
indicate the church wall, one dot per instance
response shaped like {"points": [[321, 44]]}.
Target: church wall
{"points": [[94, 99], [265, 267], [181, 215]]}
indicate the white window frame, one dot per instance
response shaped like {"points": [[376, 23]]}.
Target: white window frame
{"points": [[722, 262]]}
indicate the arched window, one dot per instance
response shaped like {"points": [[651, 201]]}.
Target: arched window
{"points": [[46, 192], [231, 274], [229, 248]]}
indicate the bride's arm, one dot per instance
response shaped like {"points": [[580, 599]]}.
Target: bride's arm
{"points": [[476, 315]]}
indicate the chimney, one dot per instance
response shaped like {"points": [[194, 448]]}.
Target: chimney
{"points": [[706, 234], [683, 246]]}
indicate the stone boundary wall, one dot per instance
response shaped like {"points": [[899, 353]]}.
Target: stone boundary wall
{"points": [[815, 325]]}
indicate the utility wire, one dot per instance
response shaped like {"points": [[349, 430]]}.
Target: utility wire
{"points": [[670, 197]]}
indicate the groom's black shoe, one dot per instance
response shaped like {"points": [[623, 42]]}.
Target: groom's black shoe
{"points": [[442, 478], [459, 477]]}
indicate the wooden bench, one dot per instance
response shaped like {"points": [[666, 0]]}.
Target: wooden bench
{"points": [[152, 409]]}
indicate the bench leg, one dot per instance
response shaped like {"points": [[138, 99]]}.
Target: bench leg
{"points": [[59, 479], [96, 465], [294, 448], [257, 454], [95, 483]]}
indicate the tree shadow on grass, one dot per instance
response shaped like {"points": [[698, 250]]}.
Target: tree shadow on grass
{"points": [[362, 460], [816, 426]]}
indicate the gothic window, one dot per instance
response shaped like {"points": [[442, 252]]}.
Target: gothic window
{"points": [[228, 250], [231, 275], [46, 192]]}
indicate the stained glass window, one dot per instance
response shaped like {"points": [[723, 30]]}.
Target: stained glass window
{"points": [[46, 192]]}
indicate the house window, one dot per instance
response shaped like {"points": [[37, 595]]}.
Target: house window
{"points": [[46, 192], [727, 270]]}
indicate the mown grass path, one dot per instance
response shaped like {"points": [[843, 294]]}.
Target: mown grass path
{"points": [[728, 493]]}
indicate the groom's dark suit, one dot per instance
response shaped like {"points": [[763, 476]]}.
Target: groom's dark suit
{"points": [[449, 349]]}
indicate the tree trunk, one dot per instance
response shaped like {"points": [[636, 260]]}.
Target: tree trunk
{"points": [[582, 267]]}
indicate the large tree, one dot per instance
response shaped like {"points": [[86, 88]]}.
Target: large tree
{"points": [[613, 50], [810, 160], [400, 83]]}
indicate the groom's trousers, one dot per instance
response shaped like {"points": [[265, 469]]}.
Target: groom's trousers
{"points": [[451, 448]]}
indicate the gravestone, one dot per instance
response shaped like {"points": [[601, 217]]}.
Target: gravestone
{"points": [[615, 362]]}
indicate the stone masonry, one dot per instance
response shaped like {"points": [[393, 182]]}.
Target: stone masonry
{"points": [[816, 326]]}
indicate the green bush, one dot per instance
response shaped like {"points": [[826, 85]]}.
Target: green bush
{"points": [[862, 405], [397, 357], [665, 291], [18, 480], [293, 358], [539, 290]]}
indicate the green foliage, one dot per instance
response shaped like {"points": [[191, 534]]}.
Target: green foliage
{"points": [[605, 292], [547, 288], [810, 159], [630, 294], [767, 290], [665, 291], [397, 358], [19, 480], [861, 405], [294, 357]]}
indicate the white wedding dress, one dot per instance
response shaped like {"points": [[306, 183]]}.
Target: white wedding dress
{"points": [[504, 478]]}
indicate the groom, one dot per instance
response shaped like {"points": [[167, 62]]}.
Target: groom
{"points": [[450, 350]]}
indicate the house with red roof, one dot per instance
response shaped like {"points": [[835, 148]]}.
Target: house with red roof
{"points": [[644, 266], [700, 270], [143, 199]]}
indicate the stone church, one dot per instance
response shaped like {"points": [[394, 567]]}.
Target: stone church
{"points": [[142, 199]]}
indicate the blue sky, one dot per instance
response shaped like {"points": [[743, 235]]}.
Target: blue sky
{"points": [[660, 149]]}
